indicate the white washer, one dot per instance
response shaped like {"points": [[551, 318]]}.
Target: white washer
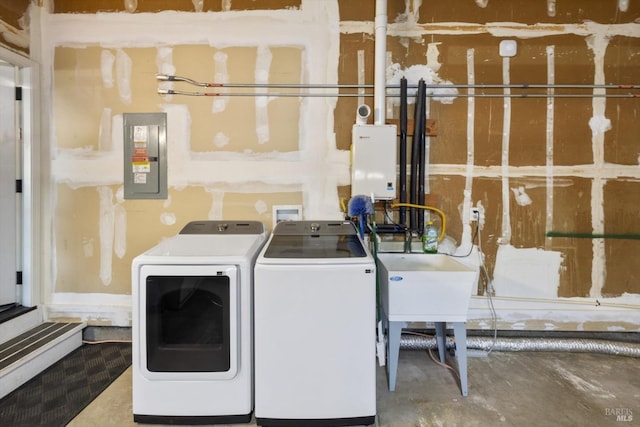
{"points": [[315, 321], [192, 325]]}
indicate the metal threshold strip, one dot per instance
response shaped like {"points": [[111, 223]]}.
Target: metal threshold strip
{"points": [[20, 346]]}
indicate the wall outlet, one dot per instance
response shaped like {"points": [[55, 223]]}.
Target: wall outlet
{"points": [[475, 214], [286, 213]]}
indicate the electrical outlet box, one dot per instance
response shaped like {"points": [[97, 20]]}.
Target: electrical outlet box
{"points": [[286, 213], [475, 214], [374, 159], [145, 155]]}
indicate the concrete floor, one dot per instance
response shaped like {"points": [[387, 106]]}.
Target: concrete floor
{"points": [[507, 389]]}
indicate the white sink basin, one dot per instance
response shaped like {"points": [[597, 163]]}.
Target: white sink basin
{"points": [[424, 287], [397, 246]]}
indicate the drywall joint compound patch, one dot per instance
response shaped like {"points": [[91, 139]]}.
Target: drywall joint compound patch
{"points": [[164, 62], [221, 75], [598, 44], [107, 59], [466, 239], [527, 272], [106, 224], [361, 77], [263, 64], [471, 118], [505, 238], [413, 74], [123, 75], [549, 140]]}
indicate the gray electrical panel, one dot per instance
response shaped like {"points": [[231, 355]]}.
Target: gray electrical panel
{"points": [[145, 155]]}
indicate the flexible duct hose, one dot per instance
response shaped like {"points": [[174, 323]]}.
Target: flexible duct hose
{"points": [[572, 345]]}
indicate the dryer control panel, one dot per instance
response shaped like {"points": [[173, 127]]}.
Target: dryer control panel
{"points": [[223, 227]]}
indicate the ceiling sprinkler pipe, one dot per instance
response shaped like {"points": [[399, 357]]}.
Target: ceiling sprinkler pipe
{"points": [[380, 63], [571, 345]]}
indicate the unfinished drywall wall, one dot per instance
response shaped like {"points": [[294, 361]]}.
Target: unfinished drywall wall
{"points": [[233, 156], [14, 25], [536, 165], [95, 6]]}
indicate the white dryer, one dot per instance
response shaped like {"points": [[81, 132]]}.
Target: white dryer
{"points": [[315, 322], [193, 326]]}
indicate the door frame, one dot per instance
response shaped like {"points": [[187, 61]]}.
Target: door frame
{"points": [[30, 256], [10, 200]]}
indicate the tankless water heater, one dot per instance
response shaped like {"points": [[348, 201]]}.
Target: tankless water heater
{"points": [[374, 159]]}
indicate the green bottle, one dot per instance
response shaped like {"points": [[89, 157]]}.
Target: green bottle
{"points": [[430, 239]]}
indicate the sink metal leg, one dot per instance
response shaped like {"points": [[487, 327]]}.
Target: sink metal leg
{"points": [[460, 333], [393, 352], [394, 330], [441, 339]]}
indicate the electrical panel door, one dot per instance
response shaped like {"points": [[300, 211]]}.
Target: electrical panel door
{"points": [[145, 155]]}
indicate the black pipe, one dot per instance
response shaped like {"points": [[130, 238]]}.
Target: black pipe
{"points": [[415, 157], [402, 218], [414, 165], [422, 90]]}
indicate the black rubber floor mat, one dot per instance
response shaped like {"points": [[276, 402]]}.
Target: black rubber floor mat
{"points": [[62, 391]]}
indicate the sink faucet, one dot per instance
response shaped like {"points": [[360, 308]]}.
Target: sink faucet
{"points": [[407, 241]]}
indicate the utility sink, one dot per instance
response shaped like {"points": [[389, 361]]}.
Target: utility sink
{"points": [[417, 287], [398, 246]]}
